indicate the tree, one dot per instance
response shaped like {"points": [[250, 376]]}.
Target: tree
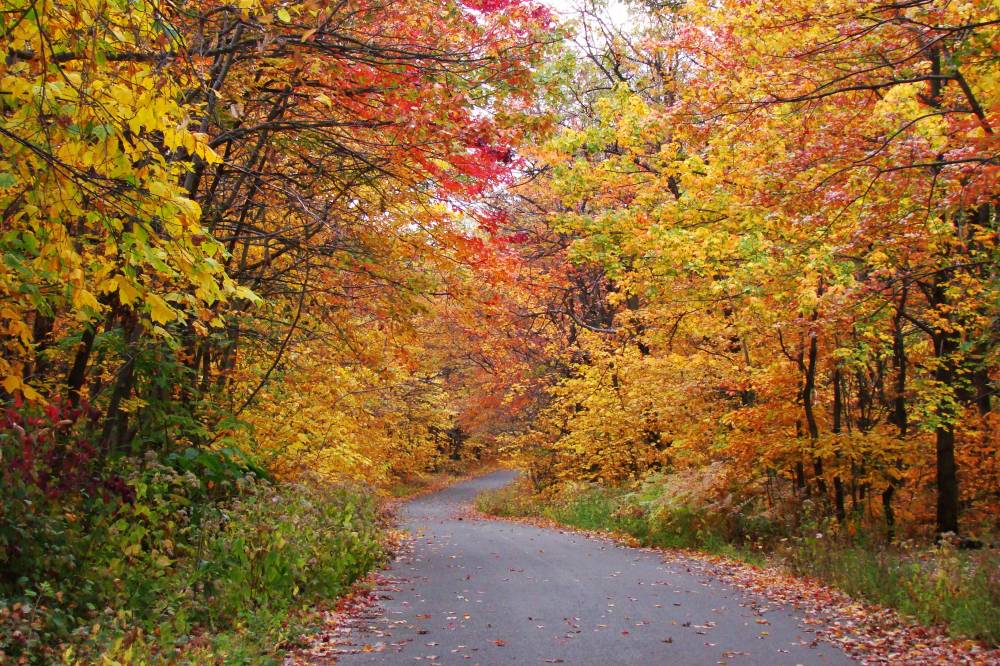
{"points": [[783, 200]]}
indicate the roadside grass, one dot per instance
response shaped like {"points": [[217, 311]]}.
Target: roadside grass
{"points": [[935, 584], [932, 584], [607, 510]]}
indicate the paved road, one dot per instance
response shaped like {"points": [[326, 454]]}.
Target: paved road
{"points": [[493, 592]]}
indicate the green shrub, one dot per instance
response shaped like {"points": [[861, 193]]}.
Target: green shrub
{"points": [[588, 508], [192, 559], [275, 547]]}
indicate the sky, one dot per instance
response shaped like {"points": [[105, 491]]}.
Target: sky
{"points": [[616, 9]]}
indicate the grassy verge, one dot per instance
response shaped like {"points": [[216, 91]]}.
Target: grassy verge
{"points": [[939, 584], [933, 584]]}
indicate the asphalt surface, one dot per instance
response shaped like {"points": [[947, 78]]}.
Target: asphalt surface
{"points": [[493, 592]]}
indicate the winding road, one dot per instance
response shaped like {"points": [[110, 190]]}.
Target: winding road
{"points": [[493, 592]]}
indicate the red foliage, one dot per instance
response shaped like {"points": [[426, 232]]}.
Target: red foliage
{"points": [[53, 451]]}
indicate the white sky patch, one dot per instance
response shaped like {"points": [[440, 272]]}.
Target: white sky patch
{"points": [[616, 10]]}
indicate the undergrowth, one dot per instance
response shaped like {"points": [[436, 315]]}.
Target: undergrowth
{"points": [[193, 559]]}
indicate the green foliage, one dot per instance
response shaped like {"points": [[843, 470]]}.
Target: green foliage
{"points": [[196, 544], [278, 547], [221, 468], [590, 508], [512, 501]]}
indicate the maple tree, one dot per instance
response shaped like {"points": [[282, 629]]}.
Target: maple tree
{"points": [[300, 179], [792, 211]]}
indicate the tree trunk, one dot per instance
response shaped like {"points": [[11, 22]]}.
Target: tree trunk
{"points": [[78, 373], [41, 332], [808, 392], [946, 345], [947, 472], [116, 420], [890, 515], [838, 483]]}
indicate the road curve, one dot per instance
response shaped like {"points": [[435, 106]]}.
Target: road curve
{"points": [[494, 592]]}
